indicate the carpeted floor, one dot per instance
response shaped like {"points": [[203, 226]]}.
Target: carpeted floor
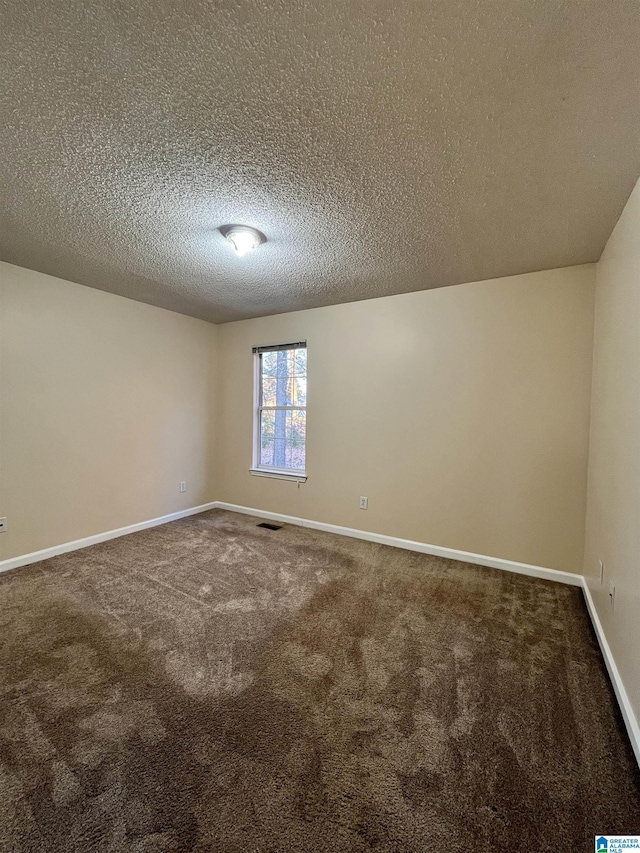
{"points": [[210, 685]]}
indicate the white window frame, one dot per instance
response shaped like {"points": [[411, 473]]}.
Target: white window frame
{"points": [[256, 469]]}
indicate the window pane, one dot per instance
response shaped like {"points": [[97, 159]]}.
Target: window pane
{"points": [[267, 434], [282, 439], [299, 391], [295, 439], [300, 362], [291, 362], [276, 380], [268, 391]]}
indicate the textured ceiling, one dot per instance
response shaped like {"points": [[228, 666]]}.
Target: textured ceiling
{"points": [[382, 147]]}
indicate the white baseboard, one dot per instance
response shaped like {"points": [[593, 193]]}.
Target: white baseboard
{"points": [[46, 553], [380, 538], [409, 545], [630, 720]]}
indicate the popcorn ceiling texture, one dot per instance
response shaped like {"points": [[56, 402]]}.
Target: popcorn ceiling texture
{"points": [[382, 147]]}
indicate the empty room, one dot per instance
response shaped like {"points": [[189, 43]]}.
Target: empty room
{"points": [[319, 426]]}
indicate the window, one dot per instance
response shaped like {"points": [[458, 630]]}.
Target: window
{"points": [[280, 424]]}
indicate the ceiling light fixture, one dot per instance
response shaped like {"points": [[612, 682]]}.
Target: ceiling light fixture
{"points": [[243, 238]]}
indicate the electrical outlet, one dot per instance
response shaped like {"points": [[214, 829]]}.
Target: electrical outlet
{"points": [[183, 485], [364, 503], [3, 525], [601, 564], [612, 596]]}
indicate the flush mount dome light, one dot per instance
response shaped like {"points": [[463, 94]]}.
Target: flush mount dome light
{"points": [[243, 238]]}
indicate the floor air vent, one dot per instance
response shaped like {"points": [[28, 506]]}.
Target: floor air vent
{"points": [[269, 526]]}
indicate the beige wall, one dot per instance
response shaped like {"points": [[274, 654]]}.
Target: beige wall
{"points": [[106, 405], [613, 515], [462, 413]]}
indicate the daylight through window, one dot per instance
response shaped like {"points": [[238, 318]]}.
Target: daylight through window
{"points": [[281, 412]]}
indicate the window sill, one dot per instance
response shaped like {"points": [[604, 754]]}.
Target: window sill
{"points": [[274, 474]]}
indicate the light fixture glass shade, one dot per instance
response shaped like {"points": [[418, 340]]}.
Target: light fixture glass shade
{"points": [[243, 239]]}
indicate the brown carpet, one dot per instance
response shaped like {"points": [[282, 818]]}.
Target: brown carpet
{"points": [[212, 686]]}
